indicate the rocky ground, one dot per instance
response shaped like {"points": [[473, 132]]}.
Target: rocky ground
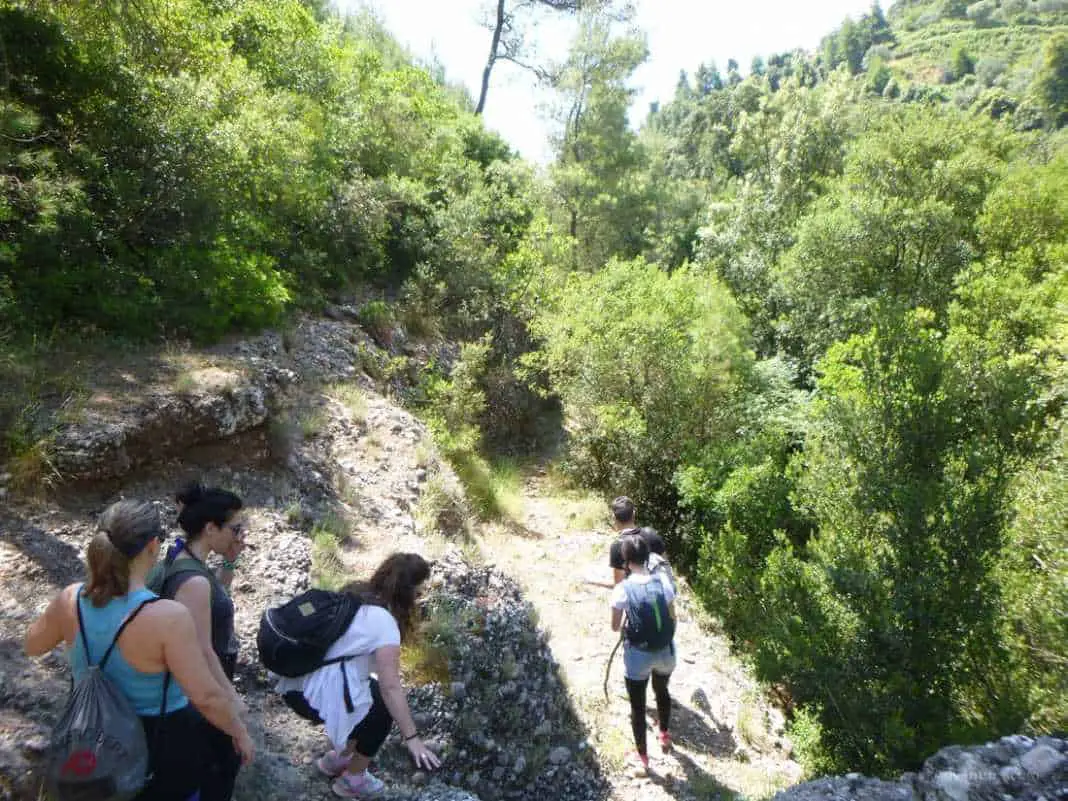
{"points": [[728, 741], [507, 678]]}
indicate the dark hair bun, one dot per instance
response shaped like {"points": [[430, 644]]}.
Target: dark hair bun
{"points": [[190, 493]]}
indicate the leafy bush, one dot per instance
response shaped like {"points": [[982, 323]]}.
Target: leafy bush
{"points": [[648, 366]]}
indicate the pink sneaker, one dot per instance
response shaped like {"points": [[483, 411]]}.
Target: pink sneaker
{"points": [[332, 764], [665, 742], [362, 785], [637, 765]]}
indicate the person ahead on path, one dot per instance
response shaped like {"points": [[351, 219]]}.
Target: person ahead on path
{"points": [[161, 639], [623, 521], [212, 522], [643, 607], [357, 729]]}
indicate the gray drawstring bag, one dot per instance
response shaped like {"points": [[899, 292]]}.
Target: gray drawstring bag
{"points": [[98, 750]]}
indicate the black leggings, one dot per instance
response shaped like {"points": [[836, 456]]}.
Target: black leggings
{"points": [[369, 733], [176, 758], [223, 762], [636, 693]]}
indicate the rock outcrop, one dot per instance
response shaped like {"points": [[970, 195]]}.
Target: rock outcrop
{"points": [[1015, 768]]}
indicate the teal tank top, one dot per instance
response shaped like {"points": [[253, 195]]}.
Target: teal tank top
{"points": [[145, 690]]}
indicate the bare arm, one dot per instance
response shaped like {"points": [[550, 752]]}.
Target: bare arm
{"points": [[387, 666], [184, 658], [195, 595], [617, 619], [46, 632], [618, 575]]}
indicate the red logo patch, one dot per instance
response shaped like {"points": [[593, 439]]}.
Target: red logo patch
{"points": [[80, 763]]}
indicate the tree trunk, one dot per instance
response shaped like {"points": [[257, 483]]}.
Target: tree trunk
{"points": [[492, 57]]}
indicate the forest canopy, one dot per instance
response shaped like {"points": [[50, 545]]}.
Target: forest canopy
{"points": [[812, 316]]}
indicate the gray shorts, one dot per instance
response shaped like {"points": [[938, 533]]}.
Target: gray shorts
{"points": [[638, 665]]}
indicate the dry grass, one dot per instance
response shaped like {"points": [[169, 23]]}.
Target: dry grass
{"points": [[312, 423], [32, 471], [423, 662], [328, 569], [352, 398]]}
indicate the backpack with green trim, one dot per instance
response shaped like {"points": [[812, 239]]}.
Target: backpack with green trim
{"points": [[650, 626]]}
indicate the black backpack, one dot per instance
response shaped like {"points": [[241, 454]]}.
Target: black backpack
{"points": [[293, 638], [650, 626], [98, 750]]}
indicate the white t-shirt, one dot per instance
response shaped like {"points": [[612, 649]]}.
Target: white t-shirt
{"points": [[619, 595], [372, 628], [660, 568]]}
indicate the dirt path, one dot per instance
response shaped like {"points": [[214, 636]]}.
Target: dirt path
{"points": [[728, 743]]}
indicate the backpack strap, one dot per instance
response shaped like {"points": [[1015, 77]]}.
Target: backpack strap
{"points": [[192, 565], [81, 628], [122, 628], [341, 660]]}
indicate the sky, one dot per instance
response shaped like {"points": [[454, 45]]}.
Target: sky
{"points": [[681, 35]]}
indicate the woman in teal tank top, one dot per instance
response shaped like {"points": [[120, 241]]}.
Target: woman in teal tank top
{"points": [[160, 640], [144, 690]]}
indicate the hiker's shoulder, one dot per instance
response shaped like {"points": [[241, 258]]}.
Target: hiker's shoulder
{"points": [[164, 609], [374, 621]]}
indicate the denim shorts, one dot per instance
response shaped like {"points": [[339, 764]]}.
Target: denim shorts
{"points": [[638, 665]]}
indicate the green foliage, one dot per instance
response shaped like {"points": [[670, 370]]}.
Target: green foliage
{"points": [[1052, 81], [856, 502], [647, 364], [894, 231], [961, 63], [198, 169], [598, 175]]}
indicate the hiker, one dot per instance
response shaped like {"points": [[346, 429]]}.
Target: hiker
{"points": [[159, 641], [212, 522], [357, 710], [643, 607], [623, 514]]}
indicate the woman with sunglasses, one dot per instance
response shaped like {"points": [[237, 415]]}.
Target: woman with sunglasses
{"points": [[212, 521], [158, 641]]}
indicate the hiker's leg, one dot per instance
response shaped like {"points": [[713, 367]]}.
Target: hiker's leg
{"points": [[371, 732], [223, 765], [636, 694], [176, 758], [663, 699]]}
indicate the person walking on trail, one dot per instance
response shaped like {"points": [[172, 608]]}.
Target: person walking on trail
{"points": [[623, 521], [357, 710], [212, 522], [643, 609], [154, 639]]}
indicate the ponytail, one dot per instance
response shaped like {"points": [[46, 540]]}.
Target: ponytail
{"points": [[109, 571], [126, 527]]}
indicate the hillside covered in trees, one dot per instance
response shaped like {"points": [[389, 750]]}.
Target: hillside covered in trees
{"points": [[813, 317]]}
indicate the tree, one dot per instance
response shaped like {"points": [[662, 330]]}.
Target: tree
{"points": [[734, 73], [647, 364], [708, 79], [509, 23], [598, 175], [1052, 81], [961, 63]]}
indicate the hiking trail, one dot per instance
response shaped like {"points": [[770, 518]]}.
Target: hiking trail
{"points": [[728, 742]]}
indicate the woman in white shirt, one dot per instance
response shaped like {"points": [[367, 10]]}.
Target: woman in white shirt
{"points": [[358, 729]]}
